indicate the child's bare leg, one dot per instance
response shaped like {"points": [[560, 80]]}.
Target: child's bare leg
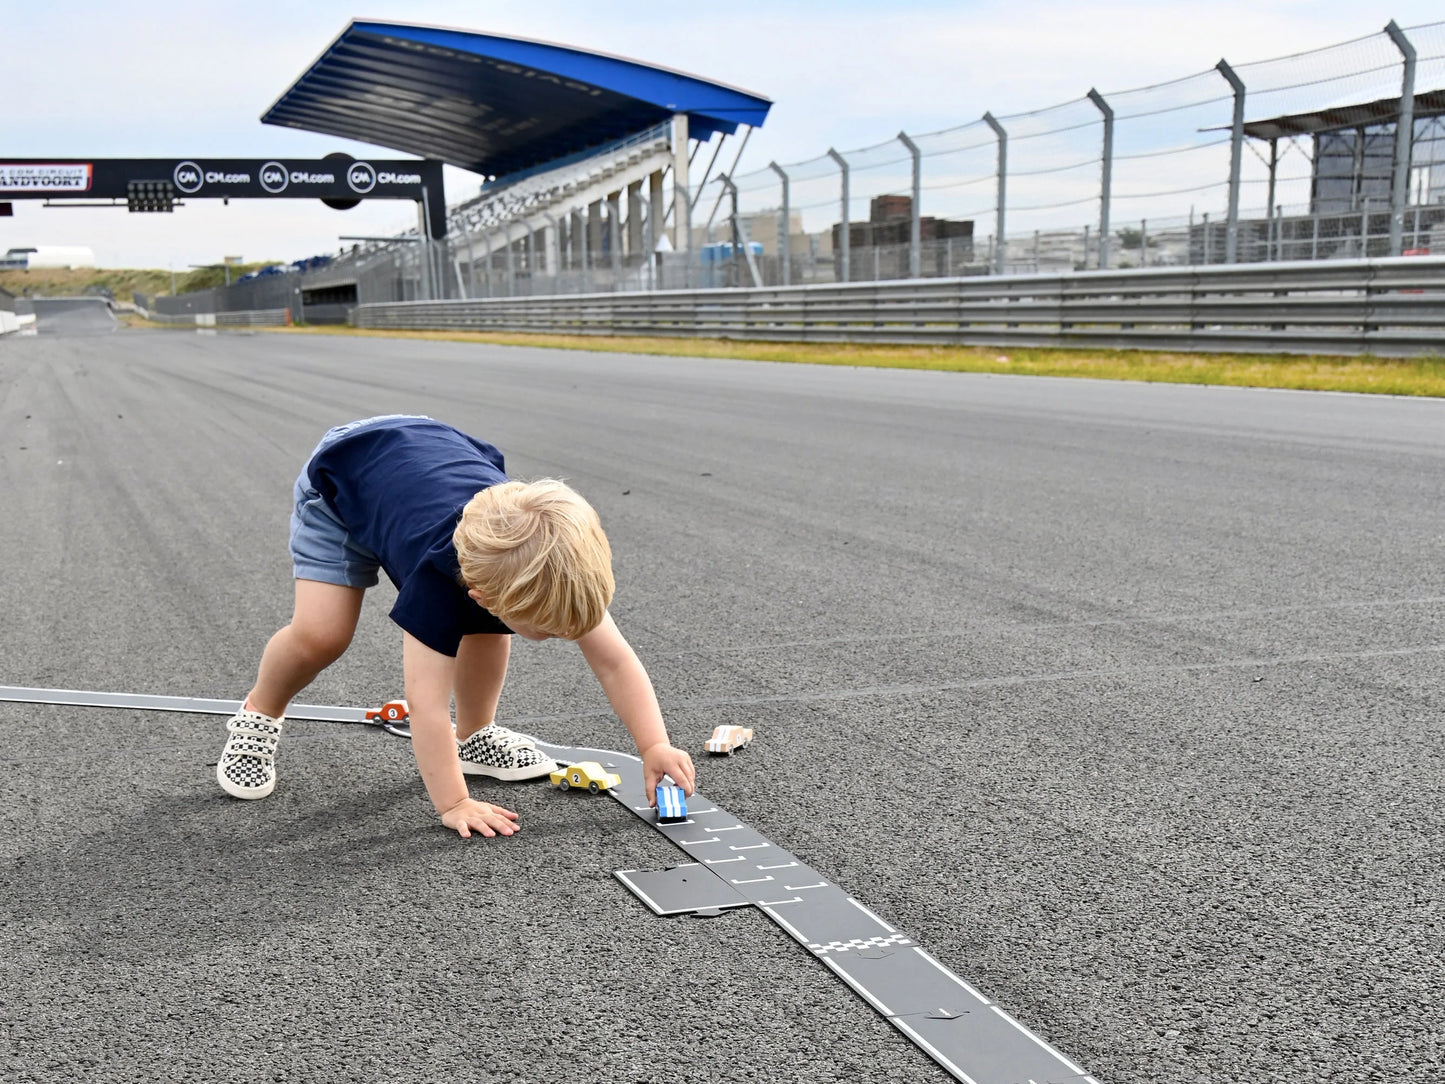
{"points": [[481, 670], [320, 631]]}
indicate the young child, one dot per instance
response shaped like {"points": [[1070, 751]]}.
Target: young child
{"points": [[474, 557]]}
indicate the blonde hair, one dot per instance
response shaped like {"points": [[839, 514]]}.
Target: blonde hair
{"points": [[536, 554]]}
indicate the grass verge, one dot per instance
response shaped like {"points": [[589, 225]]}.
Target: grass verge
{"points": [[1381, 376]]}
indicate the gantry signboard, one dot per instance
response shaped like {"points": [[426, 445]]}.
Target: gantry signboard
{"points": [[338, 179]]}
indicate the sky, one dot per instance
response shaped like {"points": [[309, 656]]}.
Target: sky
{"points": [[170, 79]]}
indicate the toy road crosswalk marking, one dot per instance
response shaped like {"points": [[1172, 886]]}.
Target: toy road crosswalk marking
{"points": [[860, 943]]}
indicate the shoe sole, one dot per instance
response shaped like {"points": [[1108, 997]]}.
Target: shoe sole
{"points": [[248, 793], [510, 775]]}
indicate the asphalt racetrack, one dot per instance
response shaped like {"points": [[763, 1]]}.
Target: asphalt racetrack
{"points": [[1124, 700]]}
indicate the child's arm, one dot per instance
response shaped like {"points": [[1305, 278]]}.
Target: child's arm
{"points": [[629, 691], [428, 675]]}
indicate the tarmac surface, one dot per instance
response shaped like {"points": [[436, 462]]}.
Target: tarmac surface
{"points": [[1124, 700]]}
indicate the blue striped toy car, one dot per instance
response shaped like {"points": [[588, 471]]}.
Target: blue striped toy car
{"points": [[671, 803]]}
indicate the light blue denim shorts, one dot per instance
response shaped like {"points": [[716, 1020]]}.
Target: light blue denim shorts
{"points": [[321, 546]]}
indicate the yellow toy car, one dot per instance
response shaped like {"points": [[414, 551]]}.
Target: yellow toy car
{"points": [[727, 739], [585, 773]]}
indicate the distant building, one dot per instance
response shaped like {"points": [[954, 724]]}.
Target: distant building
{"points": [[889, 224], [48, 256]]}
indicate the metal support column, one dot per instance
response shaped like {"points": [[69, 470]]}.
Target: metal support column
{"points": [[594, 235], [634, 221], [681, 196], [1106, 180], [1002, 200], [846, 230], [915, 231], [1270, 242], [1404, 139], [511, 262], [471, 266], [1236, 150], [656, 225], [614, 236], [552, 252], [785, 228]]}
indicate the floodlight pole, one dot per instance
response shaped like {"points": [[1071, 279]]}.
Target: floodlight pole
{"points": [[1404, 139], [843, 254], [785, 228], [1106, 180], [1236, 149], [988, 118], [915, 222]]}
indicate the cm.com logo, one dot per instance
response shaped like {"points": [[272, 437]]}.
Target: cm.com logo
{"points": [[361, 177], [274, 177], [188, 178]]}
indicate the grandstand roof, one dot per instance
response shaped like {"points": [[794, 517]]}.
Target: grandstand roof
{"points": [[492, 104], [1347, 114]]}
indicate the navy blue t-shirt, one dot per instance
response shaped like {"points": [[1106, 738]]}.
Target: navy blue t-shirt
{"points": [[399, 486]]}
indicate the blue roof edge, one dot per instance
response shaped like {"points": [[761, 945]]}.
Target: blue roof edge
{"points": [[675, 91]]}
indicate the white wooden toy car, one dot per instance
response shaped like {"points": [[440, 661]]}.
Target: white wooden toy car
{"points": [[729, 739]]}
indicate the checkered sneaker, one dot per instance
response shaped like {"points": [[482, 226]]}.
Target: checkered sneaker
{"points": [[247, 768], [504, 754]]}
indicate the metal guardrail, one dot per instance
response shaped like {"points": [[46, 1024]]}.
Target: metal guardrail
{"points": [[1392, 307], [249, 318]]}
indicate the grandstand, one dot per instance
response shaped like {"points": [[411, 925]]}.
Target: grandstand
{"points": [[587, 155]]}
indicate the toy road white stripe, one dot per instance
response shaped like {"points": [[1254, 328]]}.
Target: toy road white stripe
{"points": [[1035, 1038], [696, 842], [715, 861], [871, 915], [695, 812], [622, 876], [729, 828], [780, 865], [931, 1050], [751, 880], [802, 888], [956, 979], [765, 904], [750, 846], [860, 990], [783, 923]]}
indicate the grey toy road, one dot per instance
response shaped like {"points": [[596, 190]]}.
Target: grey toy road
{"points": [[734, 866]]}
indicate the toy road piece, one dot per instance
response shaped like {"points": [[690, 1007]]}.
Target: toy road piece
{"points": [[728, 739], [585, 773], [671, 803], [393, 711]]}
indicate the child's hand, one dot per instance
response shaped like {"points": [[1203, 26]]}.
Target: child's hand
{"points": [[663, 759], [470, 814]]}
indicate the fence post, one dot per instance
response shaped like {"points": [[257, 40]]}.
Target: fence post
{"points": [[785, 228], [843, 169], [1143, 242], [1106, 180], [1404, 139], [988, 119], [1236, 149], [915, 227]]}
